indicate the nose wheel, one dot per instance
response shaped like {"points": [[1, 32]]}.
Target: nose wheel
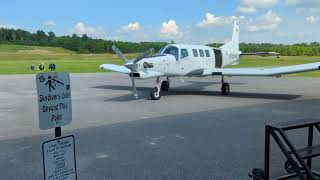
{"points": [[156, 93]]}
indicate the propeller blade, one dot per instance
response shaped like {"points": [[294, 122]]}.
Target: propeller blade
{"points": [[145, 54], [119, 53]]}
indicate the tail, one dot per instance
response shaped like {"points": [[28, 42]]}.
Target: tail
{"points": [[236, 33], [232, 47]]}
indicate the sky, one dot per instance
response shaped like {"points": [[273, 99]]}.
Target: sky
{"points": [[193, 21]]}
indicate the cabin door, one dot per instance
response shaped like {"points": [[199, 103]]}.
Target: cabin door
{"points": [[218, 57]]}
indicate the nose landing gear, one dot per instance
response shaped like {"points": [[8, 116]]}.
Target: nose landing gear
{"points": [[156, 91]]}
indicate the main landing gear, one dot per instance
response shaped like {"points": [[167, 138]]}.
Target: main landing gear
{"points": [[225, 88], [156, 91]]}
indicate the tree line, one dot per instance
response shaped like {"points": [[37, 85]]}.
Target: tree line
{"points": [[86, 44], [80, 44], [300, 49]]}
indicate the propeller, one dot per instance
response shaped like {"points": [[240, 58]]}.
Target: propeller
{"points": [[132, 65]]}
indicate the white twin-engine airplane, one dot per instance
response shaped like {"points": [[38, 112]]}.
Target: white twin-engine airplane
{"points": [[177, 60]]}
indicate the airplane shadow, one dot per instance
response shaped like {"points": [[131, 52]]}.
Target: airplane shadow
{"points": [[189, 85], [236, 94], [144, 93]]}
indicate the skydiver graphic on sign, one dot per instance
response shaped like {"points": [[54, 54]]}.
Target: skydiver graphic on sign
{"points": [[52, 83]]}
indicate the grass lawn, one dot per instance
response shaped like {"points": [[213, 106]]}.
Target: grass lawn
{"points": [[17, 59]]}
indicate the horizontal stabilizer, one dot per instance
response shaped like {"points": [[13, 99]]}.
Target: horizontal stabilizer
{"points": [[260, 53], [278, 71], [115, 68]]}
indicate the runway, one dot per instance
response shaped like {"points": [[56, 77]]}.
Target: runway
{"points": [[191, 133]]}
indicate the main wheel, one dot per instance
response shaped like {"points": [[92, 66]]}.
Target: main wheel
{"points": [[165, 86], [155, 94], [225, 89], [258, 173], [289, 167]]}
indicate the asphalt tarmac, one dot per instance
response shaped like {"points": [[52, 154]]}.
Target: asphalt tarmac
{"points": [[191, 133]]}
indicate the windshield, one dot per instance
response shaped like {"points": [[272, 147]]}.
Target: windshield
{"points": [[160, 51], [171, 50]]}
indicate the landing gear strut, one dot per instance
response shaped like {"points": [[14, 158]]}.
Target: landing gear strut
{"points": [[225, 88], [156, 92]]}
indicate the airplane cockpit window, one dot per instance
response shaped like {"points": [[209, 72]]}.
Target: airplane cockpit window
{"points": [[184, 53], [172, 50], [160, 51], [201, 53]]}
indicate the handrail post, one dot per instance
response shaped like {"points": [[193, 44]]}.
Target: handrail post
{"points": [[267, 153]]}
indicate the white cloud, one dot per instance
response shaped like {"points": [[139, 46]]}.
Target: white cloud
{"points": [[170, 30], [312, 19], [252, 6], [292, 2], [246, 9], [131, 27], [8, 26], [304, 3], [96, 32], [211, 20], [50, 23], [259, 3], [266, 22]]}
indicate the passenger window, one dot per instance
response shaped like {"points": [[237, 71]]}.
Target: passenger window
{"points": [[207, 53], [184, 53], [201, 53], [195, 52]]}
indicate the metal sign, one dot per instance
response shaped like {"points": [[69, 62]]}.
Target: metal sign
{"points": [[59, 161], [54, 100]]}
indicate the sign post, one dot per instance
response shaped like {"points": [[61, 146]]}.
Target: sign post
{"points": [[57, 132], [55, 111], [54, 100]]}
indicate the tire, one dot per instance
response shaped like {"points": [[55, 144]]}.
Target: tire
{"points": [[154, 94], [225, 89], [258, 173], [165, 86], [289, 167]]}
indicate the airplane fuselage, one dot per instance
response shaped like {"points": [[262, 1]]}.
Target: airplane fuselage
{"points": [[185, 60]]}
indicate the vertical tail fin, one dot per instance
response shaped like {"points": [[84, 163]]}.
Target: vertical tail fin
{"points": [[233, 45], [236, 32]]}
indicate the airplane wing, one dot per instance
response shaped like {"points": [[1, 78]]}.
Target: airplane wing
{"points": [[278, 71], [115, 68]]}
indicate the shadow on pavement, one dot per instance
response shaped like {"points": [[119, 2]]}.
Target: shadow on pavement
{"points": [[219, 144]]}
